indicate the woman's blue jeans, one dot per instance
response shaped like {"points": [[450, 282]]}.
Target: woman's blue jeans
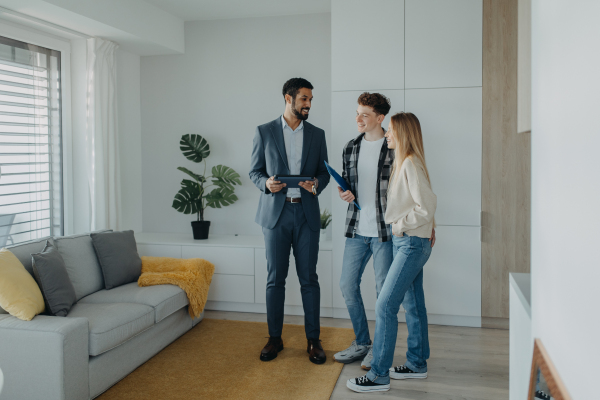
{"points": [[403, 285]]}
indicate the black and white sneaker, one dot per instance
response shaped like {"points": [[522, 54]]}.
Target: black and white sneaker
{"points": [[541, 395], [403, 372], [364, 385]]}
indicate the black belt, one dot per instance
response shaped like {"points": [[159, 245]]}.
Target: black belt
{"points": [[293, 199]]}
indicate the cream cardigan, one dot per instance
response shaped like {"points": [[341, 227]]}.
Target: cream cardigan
{"points": [[411, 203]]}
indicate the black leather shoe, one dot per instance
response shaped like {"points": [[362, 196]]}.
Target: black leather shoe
{"points": [[316, 355], [273, 346]]}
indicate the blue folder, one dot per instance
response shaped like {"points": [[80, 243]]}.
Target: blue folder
{"points": [[340, 181]]}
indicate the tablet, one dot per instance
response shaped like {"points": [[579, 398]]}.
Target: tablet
{"points": [[292, 181]]}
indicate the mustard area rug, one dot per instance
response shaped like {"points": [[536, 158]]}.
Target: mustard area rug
{"points": [[218, 359]]}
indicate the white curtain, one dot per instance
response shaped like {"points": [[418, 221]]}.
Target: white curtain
{"points": [[102, 136]]}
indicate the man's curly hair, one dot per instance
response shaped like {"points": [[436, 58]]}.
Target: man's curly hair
{"points": [[293, 85], [379, 103]]}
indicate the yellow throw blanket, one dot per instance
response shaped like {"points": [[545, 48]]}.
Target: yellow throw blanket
{"points": [[192, 275]]}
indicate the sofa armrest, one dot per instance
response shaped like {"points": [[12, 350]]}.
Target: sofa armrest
{"points": [[45, 358]]}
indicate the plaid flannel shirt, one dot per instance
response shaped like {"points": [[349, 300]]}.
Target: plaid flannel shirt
{"points": [[350, 175]]}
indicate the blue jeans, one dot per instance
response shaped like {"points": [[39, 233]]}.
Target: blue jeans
{"points": [[357, 253], [403, 285]]}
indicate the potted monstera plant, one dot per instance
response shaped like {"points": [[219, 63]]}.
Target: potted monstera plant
{"points": [[215, 190]]}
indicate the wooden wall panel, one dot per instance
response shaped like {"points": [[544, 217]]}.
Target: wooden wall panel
{"points": [[506, 161]]}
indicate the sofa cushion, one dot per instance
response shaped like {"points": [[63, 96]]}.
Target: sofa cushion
{"points": [[23, 251], [19, 294], [81, 263], [52, 278], [165, 299], [118, 257], [111, 324]]}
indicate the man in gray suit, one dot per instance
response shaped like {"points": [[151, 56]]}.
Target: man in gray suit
{"points": [[290, 218]]}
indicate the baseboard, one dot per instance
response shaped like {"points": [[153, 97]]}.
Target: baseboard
{"points": [[495, 323], [329, 312], [433, 319], [326, 312]]}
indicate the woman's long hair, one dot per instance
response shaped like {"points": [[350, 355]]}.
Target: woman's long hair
{"points": [[406, 129]]}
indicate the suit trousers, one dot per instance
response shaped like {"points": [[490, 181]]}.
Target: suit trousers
{"points": [[292, 232]]}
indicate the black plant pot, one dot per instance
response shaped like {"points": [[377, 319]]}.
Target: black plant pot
{"points": [[200, 229]]}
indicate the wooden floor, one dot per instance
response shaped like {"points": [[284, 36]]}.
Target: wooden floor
{"points": [[465, 363]]}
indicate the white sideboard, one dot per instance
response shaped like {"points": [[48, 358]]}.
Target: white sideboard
{"points": [[240, 279], [452, 275]]}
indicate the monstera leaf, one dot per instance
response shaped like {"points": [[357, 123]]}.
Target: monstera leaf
{"points": [[197, 177], [194, 147], [225, 177], [188, 200], [220, 198]]}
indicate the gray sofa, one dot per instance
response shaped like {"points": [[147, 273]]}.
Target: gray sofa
{"points": [[106, 335]]}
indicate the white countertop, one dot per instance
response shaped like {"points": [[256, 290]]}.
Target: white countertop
{"points": [[186, 239]]}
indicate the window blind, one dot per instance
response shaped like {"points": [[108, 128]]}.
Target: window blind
{"points": [[31, 192]]}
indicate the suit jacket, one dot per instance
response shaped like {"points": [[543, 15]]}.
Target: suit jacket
{"points": [[270, 158]]}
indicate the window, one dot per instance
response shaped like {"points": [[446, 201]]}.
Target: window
{"points": [[31, 187]]}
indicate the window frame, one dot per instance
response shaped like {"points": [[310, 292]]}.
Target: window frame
{"points": [[64, 47]]}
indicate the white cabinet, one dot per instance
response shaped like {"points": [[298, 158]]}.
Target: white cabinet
{"points": [[159, 250], [452, 276], [293, 296], [236, 258], [451, 282], [232, 288], [227, 260], [452, 279], [443, 44], [357, 27], [452, 126]]}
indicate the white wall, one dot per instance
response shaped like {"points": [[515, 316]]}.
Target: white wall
{"points": [[565, 191], [228, 81], [427, 60]]}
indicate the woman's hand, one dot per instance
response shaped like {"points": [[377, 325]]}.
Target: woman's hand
{"points": [[347, 196], [432, 238]]}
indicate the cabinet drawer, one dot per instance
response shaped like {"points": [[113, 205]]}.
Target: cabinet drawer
{"points": [[227, 260], [159, 250], [233, 288]]}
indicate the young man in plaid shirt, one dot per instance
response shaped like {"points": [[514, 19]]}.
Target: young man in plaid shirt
{"points": [[367, 169]]}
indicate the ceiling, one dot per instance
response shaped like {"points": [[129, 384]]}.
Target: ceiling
{"points": [[196, 10]]}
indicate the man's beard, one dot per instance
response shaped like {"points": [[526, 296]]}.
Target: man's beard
{"points": [[297, 113]]}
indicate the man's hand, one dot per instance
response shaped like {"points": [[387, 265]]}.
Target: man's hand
{"points": [[307, 185], [432, 238], [273, 185], [347, 196]]}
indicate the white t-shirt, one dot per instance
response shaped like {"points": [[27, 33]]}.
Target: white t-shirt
{"points": [[368, 160]]}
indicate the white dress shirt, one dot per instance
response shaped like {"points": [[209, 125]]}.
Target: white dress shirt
{"points": [[294, 140]]}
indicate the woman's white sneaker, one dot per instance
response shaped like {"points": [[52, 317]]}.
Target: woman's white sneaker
{"points": [[403, 372], [363, 384]]}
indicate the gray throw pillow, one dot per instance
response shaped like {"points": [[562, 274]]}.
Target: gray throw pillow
{"points": [[118, 257], [51, 275]]}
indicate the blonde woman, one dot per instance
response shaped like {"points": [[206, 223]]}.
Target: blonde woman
{"points": [[410, 210]]}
